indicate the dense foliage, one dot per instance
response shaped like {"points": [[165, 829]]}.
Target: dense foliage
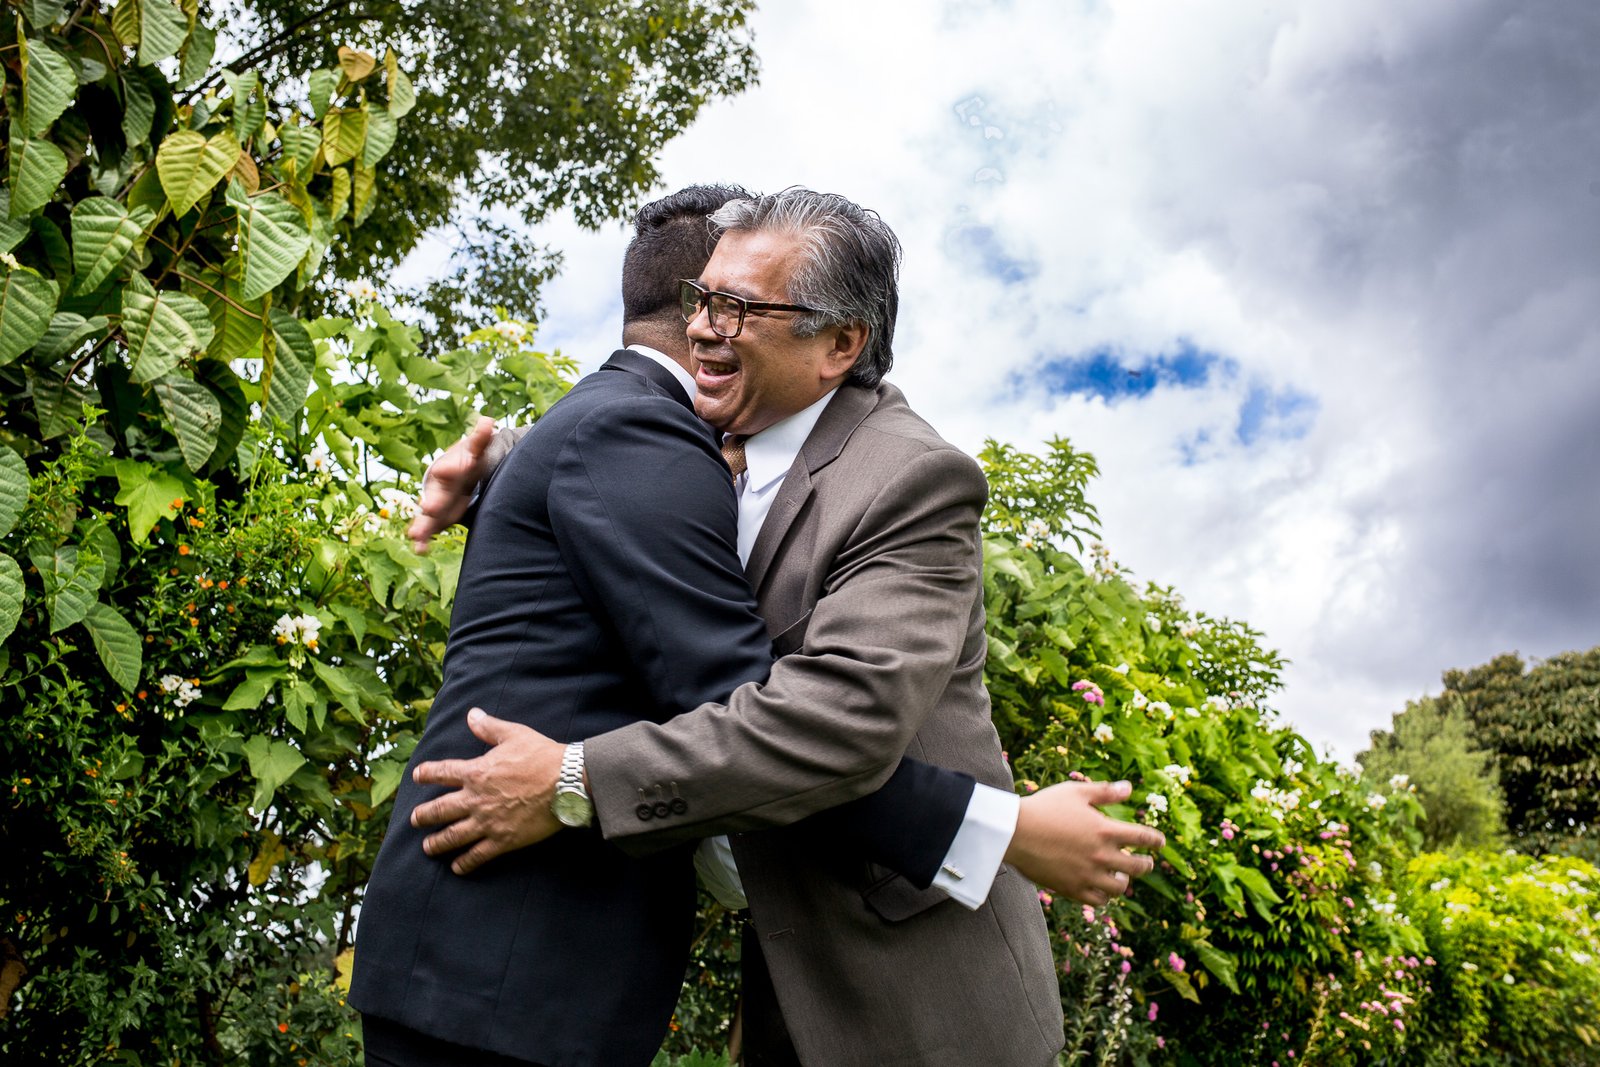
{"points": [[522, 108], [1432, 746]]}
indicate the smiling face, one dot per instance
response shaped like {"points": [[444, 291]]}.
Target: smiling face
{"points": [[766, 374]]}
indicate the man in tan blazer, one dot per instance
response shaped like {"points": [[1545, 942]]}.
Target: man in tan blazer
{"points": [[868, 568]]}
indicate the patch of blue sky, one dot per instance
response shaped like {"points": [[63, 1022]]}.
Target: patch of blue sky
{"points": [[1109, 374], [1284, 414], [979, 249]]}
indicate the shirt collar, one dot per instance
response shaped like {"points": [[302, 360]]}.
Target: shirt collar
{"points": [[769, 454], [685, 379]]}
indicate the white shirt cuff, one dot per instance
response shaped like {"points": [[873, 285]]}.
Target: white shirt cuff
{"points": [[969, 868]]}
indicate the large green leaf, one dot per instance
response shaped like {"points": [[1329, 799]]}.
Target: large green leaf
{"points": [[102, 236], [237, 323], [138, 109], [71, 583], [381, 132], [258, 682], [58, 401], [224, 385], [402, 97], [190, 165], [48, 85], [300, 144], [162, 29], [248, 113], [286, 370], [1218, 963], [37, 168], [67, 331], [12, 231], [148, 493], [196, 416], [27, 302], [198, 52], [13, 488], [271, 764], [42, 14], [10, 595], [321, 84], [117, 642], [272, 238], [344, 134], [161, 328]]}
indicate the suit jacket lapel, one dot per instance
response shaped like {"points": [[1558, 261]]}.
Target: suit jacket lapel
{"points": [[849, 406], [624, 359]]}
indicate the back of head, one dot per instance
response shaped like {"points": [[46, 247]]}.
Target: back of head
{"points": [[848, 270], [672, 240]]}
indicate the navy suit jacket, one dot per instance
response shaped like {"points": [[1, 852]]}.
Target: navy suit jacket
{"points": [[600, 585]]}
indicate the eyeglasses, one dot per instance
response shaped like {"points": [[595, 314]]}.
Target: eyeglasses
{"points": [[725, 311]]}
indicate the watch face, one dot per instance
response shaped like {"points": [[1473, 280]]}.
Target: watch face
{"points": [[572, 809]]}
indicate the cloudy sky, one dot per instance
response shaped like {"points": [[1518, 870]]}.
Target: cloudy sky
{"points": [[1318, 283]]}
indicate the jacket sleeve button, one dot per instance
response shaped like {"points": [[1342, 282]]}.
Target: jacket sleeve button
{"points": [[644, 812], [662, 809], [679, 805]]}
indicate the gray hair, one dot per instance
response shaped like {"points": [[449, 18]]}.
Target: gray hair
{"points": [[848, 269]]}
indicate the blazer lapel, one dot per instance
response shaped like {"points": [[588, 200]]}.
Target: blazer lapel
{"points": [[849, 406], [624, 359]]}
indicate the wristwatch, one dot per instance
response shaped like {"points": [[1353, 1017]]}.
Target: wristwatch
{"points": [[571, 804]]}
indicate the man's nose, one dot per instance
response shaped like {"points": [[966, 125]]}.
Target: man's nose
{"points": [[699, 327]]}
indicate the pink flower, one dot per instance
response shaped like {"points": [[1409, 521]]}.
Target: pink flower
{"points": [[1045, 898], [1398, 1025], [1153, 1007], [1227, 835], [1175, 961], [1126, 966], [1088, 913], [1161, 1042]]}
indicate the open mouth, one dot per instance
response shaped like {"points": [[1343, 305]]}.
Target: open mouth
{"points": [[712, 371]]}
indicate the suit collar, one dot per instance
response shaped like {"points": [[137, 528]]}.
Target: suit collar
{"points": [[850, 406], [626, 360]]}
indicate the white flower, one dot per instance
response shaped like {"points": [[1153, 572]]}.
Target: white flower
{"points": [[1164, 708], [1216, 703], [1188, 630], [361, 291], [1153, 621], [397, 504], [1139, 701], [1178, 773], [316, 461], [1027, 542], [1103, 733], [187, 693], [1038, 528], [1469, 967], [297, 629], [1292, 767], [1121, 668], [10, 260], [1262, 790], [1580, 958], [1400, 781], [1508, 980], [1157, 802], [1376, 801], [1193, 713], [511, 330], [170, 682]]}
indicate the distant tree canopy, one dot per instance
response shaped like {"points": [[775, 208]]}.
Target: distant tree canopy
{"points": [[1542, 728], [1432, 745], [523, 108]]}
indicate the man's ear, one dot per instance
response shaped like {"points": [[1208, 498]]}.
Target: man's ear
{"points": [[848, 341]]}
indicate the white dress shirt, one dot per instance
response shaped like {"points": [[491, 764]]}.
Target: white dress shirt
{"points": [[975, 854]]}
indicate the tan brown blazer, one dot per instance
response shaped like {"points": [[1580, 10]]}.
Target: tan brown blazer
{"points": [[868, 571]]}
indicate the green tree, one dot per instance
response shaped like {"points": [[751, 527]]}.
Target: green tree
{"points": [[1543, 725], [1431, 748], [522, 108]]}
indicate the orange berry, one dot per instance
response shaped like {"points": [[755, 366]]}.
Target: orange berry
{"points": [[183, 550], [222, 584], [283, 1028]]}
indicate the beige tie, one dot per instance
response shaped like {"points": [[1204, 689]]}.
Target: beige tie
{"points": [[733, 452]]}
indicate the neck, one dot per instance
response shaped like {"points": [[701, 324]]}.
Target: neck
{"points": [[669, 341]]}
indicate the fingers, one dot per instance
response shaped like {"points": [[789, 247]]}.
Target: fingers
{"points": [[457, 835], [479, 436], [441, 772], [476, 856], [441, 810], [490, 730], [1101, 793]]}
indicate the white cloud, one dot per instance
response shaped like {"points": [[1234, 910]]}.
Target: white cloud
{"points": [[1390, 211]]}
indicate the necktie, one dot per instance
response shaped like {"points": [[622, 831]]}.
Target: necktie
{"points": [[733, 452]]}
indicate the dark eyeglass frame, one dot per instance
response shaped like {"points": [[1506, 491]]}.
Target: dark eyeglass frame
{"points": [[692, 296]]}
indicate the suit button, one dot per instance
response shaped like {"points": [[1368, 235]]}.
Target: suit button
{"points": [[662, 809], [679, 805], [644, 812]]}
